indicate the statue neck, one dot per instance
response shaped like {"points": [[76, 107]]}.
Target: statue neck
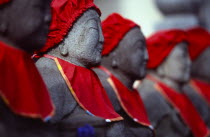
{"points": [[67, 58], [9, 43], [173, 84], [170, 82], [126, 80]]}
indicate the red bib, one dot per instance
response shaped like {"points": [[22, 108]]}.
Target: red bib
{"points": [[202, 88], [87, 90], [185, 108], [130, 101], [21, 86]]}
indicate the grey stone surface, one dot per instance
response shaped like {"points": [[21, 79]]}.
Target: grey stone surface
{"points": [[82, 46], [127, 62], [201, 71], [199, 102], [165, 119], [174, 71], [24, 24], [201, 65]]}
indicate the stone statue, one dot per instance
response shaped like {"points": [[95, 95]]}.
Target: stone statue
{"points": [[178, 13], [80, 49], [124, 63], [23, 28], [198, 88], [162, 89]]}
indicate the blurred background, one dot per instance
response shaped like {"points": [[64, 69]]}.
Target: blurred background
{"points": [[154, 15], [143, 12]]}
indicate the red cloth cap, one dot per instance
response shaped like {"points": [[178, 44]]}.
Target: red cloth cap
{"points": [[4, 1], [114, 29], [64, 14], [199, 40], [160, 44]]}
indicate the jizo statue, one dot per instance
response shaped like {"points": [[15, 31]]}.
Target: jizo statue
{"points": [[124, 61], [198, 88], [25, 104], [74, 45], [162, 90]]}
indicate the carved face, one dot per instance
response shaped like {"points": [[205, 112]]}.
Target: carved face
{"points": [[30, 21], [132, 54], [177, 64], [85, 40], [201, 66]]}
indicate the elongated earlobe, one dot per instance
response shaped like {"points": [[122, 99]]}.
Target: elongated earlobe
{"points": [[3, 28], [161, 71], [63, 49], [114, 63]]}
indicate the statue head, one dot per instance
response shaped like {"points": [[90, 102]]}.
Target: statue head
{"points": [[84, 43], [125, 47], [75, 33], [25, 23], [177, 64], [168, 55], [199, 42]]}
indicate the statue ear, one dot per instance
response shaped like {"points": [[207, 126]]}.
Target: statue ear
{"points": [[161, 71], [3, 27], [114, 62], [63, 49]]}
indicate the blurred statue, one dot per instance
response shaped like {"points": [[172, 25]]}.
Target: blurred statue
{"points": [[24, 99], [124, 61], [178, 13], [170, 111], [74, 45], [204, 14], [198, 89]]}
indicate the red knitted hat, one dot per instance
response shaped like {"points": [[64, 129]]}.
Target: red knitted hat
{"points": [[114, 29], [4, 1], [160, 44], [199, 40], [64, 14]]}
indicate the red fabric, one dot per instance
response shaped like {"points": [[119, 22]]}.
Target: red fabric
{"points": [[199, 40], [114, 29], [4, 1], [87, 90], [130, 101], [185, 108], [160, 44], [21, 86], [64, 14], [202, 88]]}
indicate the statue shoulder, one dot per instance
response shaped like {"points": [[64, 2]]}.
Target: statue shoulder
{"points": [[156, 106], [109, 90], [199, 102], [59, 91]]}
